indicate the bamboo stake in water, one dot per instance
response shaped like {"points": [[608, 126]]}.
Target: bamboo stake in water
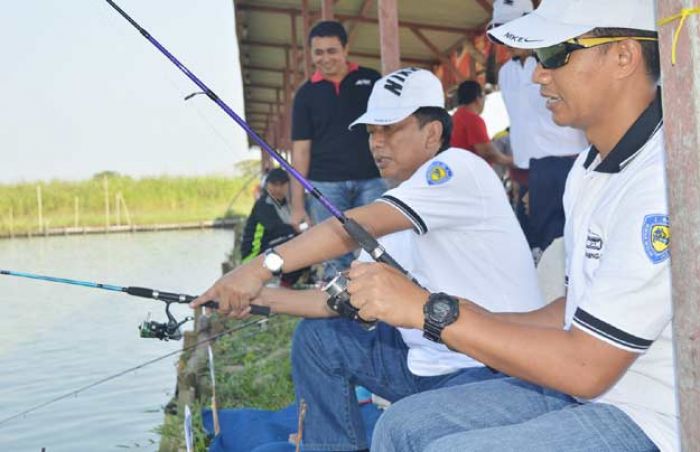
{"points": [[12, 224], [76, 212], [105, 184], [40, 208], [117, 208]]}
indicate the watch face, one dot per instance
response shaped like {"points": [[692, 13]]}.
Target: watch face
{"points": [[441, 310], [273, 262]]}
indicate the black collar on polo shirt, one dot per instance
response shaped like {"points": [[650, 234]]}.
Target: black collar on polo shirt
{"points": [[637, 135]]}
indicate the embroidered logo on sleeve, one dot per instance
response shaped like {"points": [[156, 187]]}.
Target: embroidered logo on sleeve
{"points": [[438, 173], [656, 236], [594, 245]]}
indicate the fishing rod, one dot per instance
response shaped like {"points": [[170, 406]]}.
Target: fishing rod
{"points": [[359, 234], [164, 331], [75, 392]]}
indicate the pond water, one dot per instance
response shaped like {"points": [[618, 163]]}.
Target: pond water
{"points": [[56, 338]]}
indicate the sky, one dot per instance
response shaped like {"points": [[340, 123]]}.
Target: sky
{"points": [[84, 92]]}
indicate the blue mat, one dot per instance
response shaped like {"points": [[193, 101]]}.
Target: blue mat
{"points": [[248, 430]]}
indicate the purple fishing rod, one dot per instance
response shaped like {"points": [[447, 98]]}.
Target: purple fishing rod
{"points": [[363, 238]]}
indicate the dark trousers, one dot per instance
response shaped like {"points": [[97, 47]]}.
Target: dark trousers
{"points": [[546, 183]]}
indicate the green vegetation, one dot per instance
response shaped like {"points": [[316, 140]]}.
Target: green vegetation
{"points": [[252, 370], [145, 201]]}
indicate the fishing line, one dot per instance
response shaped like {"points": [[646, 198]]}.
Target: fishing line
{"points": [[132, 369]]}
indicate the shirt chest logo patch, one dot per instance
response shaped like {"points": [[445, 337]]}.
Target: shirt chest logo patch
{"points": [[656, 237], [594, 244], [363, 82], [438, 173]]}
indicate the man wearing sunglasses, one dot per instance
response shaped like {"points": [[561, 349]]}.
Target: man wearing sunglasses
{"points": [[592, 371], [543, 152]]}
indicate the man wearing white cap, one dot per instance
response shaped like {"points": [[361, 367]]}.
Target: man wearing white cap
{"points": [[592, 371], [447, 221], [543, 151]]}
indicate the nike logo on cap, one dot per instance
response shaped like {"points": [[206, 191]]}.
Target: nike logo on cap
{"points": [[510, 36]]}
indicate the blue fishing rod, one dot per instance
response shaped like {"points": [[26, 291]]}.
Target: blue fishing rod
{"points": [[164, 331], [339, 299]]}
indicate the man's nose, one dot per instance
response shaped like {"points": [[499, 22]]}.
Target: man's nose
{"points": [[540, 75]]}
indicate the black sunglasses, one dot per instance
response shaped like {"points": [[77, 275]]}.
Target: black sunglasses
{"points": [[556, 56]]}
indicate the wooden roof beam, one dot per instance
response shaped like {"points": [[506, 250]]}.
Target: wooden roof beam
{"points": [[358, 18], [352, 27], [444, 59]]}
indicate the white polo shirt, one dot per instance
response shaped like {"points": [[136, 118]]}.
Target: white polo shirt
{"points": [[618, 270], [533, 134], [466, 242]]}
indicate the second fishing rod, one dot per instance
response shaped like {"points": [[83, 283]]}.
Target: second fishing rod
{"points": [[339, 299]]}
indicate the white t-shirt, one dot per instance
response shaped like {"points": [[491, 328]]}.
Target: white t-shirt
{"points": [[466, 242], [533, 134], [618, 270]]}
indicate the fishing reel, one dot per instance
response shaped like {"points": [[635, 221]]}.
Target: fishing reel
{"points": [[164, 331], [339, 301]]}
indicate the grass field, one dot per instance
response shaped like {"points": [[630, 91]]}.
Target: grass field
{"points": [[120, 200]]}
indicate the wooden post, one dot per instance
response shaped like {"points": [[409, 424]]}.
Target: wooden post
{"points": [[12, 223], [118, 208], [389, 35], [327, 12], [40, 207], [306, 23], [76, 212], [681, 104], [105, 184]]}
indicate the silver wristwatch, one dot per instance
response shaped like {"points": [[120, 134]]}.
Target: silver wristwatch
{"points": [[273, 262]]}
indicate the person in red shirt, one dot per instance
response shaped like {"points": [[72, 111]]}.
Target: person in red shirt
{"points": [[469, 129]]}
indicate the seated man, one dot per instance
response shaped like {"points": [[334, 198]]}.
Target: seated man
{"points": [[268, 224], [447, 221], [593, 371]]}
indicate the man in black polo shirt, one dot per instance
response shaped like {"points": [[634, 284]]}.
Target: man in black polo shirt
{"points": [[335, 159]]}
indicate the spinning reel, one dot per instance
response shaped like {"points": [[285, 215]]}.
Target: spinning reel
{"points": [[339, 301]]}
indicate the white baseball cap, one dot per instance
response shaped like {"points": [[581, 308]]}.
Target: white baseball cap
{"points": [[556, 21], [396, 96], [507, 10]]}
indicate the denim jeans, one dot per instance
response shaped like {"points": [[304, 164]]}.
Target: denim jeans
{"points": [[505, 415], [331, 356], [344, 195]]}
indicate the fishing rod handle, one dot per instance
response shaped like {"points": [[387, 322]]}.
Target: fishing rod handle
{"points": [[255, 309], [181, 298]]}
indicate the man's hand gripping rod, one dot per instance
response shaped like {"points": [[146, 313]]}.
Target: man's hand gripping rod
{"points": [[363, 238]]}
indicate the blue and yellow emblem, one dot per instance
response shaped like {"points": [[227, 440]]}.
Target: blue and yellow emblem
{"points": [[438, 173], [656, 237]]}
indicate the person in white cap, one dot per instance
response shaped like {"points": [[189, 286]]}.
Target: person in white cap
{"points": [[592, 371], [543, 152], [447, 221]]}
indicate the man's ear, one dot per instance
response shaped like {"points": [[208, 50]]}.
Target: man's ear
{"points": [[629, 57], [434, 135]]}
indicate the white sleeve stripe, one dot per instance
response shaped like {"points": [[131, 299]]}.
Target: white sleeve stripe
{"points": [[609, 332], [418, 223]]}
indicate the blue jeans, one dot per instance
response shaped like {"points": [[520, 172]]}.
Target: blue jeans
{"points": [[331, 356], [344, 195], [505, 415]]}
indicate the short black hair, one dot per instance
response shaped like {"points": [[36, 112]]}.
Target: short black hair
{"points": [[424, 115], [329, 28], [277, 176], [650, 49], [468, 91]]}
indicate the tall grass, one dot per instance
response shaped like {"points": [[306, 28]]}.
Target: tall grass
{"points": [[151, 200]]}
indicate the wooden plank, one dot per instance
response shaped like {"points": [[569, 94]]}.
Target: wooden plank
{"points": [[681, 103]]}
